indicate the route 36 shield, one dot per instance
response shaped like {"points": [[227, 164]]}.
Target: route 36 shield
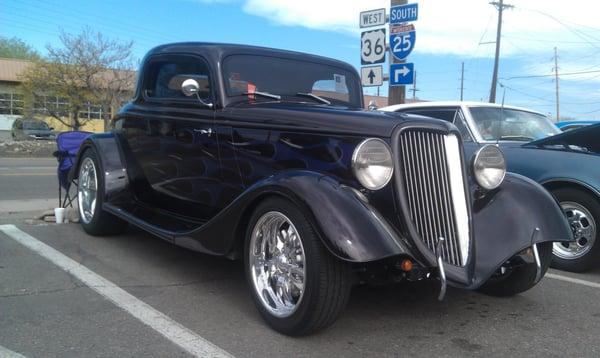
{"points": [[372, 48]]}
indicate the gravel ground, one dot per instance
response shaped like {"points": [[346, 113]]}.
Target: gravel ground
{"points": [[32, 149]]}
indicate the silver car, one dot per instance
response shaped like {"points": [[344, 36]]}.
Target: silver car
{"points": [[31, 129]]}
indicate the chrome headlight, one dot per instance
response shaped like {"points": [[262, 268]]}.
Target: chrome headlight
{"points": [[372, 163], [489, 167]]}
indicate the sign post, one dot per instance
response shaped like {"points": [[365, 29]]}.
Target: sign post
{"points": [[402, 42]]}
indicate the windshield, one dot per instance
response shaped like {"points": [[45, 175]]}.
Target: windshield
{"points": [[36, 126], [494, 123], [290, 79]]}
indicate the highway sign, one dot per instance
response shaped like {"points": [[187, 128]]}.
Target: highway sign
{"points": [[402, 40], [404, 13], [372, 48], [402, 74], [372, 18], [371, 76]]}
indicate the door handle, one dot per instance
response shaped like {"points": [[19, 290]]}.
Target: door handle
{"points": [[208, 131]]}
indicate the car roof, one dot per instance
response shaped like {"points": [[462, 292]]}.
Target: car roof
{"points": [[218, 51], [433, 104]]}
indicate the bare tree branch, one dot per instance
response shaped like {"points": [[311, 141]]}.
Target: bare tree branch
{"points": [[87, 70]]}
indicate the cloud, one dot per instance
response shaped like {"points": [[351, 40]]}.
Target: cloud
{"points": [[455, 27]]}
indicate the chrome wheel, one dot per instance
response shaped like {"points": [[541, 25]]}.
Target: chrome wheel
{"points": [[584, 230], [277, 264], [87, 188]]}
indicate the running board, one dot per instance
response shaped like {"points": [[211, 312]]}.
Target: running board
{"points": [[159, 223]]}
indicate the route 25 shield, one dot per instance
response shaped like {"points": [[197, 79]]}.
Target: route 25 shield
{"points": [[372, 47], [402, 43]]}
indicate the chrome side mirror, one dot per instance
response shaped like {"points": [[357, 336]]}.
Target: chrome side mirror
{"points": [[190, 87], [372, 105]]}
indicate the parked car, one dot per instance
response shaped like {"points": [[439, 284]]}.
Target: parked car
{"points": [[570, 125], [567, 164], [267, 156], [31, 129]]}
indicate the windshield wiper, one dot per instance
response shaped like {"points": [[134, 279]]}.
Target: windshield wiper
{"points": [[516, 137], [263, 94], [313, 96]]}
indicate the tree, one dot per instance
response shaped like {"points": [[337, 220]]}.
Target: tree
{"points": [[87, 70], [16, 48]]}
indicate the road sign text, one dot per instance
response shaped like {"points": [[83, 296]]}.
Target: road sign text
{"points": [[404, 13]]}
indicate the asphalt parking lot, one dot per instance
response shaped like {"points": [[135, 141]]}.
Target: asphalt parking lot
{"points": [[176, 299]]}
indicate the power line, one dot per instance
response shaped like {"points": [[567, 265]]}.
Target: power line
{"points": [[545, 40], [582, 35], [550, 75]]}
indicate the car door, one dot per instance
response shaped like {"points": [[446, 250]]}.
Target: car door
{"points": [[173, 141]]}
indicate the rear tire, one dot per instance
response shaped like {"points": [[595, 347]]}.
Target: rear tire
{"points": [[90, 197], [583, 213], [291, 305], [520, 279]]}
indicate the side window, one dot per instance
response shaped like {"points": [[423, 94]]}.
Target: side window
{"points": [[452, 115], [165, 76]]}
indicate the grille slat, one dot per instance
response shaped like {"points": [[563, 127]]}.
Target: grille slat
{"points": [[428, 184]]}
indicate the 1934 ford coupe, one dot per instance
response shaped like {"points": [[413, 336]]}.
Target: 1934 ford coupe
{"points": [[267, 156]]}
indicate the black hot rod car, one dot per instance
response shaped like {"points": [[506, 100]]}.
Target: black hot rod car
{"points": [[267, 156]]}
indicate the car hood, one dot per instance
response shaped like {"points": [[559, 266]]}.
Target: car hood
{"points": [[585, 139], [321, 118]]}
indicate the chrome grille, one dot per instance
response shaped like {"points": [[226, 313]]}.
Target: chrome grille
{"points": [[434, 186]]}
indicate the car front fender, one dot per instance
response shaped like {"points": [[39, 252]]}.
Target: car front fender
{"points": [[504, 222], [349, 227]]}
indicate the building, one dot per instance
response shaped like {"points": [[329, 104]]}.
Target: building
{"points": [[12, 103]]}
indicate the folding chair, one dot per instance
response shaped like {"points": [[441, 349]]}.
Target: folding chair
{"points": [[67, 144]]}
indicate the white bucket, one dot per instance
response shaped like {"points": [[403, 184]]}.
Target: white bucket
{"points": [[59, 215]]}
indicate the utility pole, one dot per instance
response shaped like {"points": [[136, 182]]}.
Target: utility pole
{"points": [[396, 94], [462, 80], [414, 89], [556, 80], [500, 6]]}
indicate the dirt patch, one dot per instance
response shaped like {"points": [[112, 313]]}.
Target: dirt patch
{"points": [[28, 148]]}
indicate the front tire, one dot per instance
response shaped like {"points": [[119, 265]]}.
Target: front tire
{"points": [[518, 279], [297, 285], [90, 196], [583, 213]]}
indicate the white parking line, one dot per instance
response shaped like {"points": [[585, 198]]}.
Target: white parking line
{"points": [[573, 280], [173, 331], [7, 353]]}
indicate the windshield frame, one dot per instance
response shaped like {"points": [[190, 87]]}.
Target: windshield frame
{"points": [[479, 137], [355, 99]]}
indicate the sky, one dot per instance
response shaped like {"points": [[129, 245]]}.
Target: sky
{"points": [[448, 33]]}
